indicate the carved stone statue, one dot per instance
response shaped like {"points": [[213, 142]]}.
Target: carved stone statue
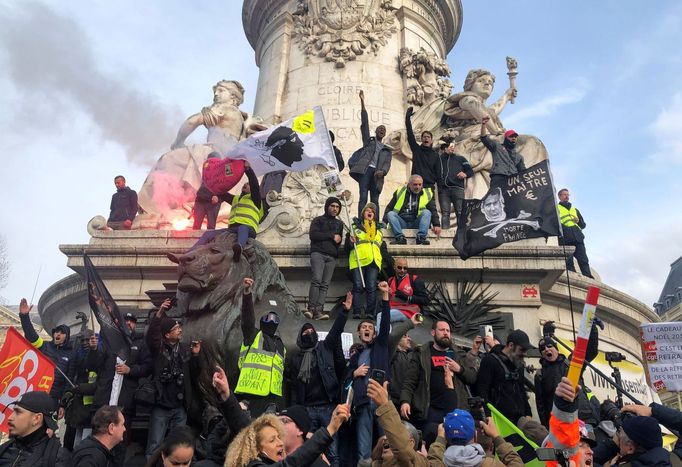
{"points": [[425, 74], [340, 30], [169, 190]]}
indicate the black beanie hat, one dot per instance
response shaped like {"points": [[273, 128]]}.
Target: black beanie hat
{"points": [[643, 431]]}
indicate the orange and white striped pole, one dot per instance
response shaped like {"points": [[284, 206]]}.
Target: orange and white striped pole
{"points": [[578, 357]]}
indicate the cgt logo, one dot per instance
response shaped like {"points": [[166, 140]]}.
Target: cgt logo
{"points": [[18, 371]]}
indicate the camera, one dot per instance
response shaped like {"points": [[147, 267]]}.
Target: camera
{"points": [[614, 357], [610, 411], [548, 329]]}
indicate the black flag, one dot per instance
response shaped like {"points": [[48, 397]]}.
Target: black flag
{"points": [[113, 330], [523, 207]]}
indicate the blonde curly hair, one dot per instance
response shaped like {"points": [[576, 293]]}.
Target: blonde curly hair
{"points": [[244, 447]]}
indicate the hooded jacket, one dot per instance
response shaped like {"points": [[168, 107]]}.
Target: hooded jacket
{"points": [[328, 356], [123, 205], [506, 455], [322, 231], [424, 159], [506, 161], [62, 356]]}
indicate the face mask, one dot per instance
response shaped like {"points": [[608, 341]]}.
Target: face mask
{"points": [[269, 328], [509, 144], [309, 340]]}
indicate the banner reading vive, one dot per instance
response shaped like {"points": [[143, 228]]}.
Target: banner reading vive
{"points": [[23, 368]]}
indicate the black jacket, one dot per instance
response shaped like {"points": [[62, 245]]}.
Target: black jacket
{"points": [[322, 231], [140, 363], [502, 385], [546, 382], [424, 159], [34, 450], [123, 205], [62, 356], [327, 355], [306, 455], [92, 453], [449, 165], [504, 161], [360, 160]]}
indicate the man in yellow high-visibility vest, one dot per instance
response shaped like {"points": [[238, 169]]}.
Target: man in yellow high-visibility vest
{"points": [[412, 207], [572, 223]]}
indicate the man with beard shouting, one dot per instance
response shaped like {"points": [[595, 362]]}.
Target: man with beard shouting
{"points": [[506, 160], [426, 396], [500, 377]]}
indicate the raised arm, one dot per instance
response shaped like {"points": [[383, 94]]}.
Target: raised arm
{"points": [[334, 336], [27, 326], [412, 141], [249, 330], [189, 125], [253, 185], [364, 120]]}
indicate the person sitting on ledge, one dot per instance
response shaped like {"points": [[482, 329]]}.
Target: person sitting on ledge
{"points": [[412, 207]]}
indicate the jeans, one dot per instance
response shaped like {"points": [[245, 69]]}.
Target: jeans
{"points": [[447, 196], [320, 415], [367, 183], [370, 272], [322, 267], [422, 223], [162, 420], [365, 429], [243, 233], [207, 210], [430, 428]]}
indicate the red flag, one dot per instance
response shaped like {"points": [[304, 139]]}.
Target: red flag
{"points": [[23, 368]]}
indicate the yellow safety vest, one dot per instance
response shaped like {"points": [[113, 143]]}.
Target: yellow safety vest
{"points": [[245, 212], [426, 196], [261, 372], [566, 216], [368, 251]]}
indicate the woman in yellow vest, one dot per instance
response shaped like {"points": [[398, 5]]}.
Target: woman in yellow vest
{"points": [[365, 259]]}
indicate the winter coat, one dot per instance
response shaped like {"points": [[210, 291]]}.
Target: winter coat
{"points": [[546, 382], [449, 165], [416, 390], [62, 356], [424, 159], [505, 452], [91, 453], [504, 162], [360, 160], [34, 450], [123, 205], [322, 231], [397, 436]]}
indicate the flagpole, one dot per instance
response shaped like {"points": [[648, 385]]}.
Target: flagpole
{"points": [[36, 284]]}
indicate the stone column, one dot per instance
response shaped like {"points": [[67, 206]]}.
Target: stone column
{"points": [[322, 52]]}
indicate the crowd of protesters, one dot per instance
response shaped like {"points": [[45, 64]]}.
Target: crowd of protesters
{"points": [[386, 401]]}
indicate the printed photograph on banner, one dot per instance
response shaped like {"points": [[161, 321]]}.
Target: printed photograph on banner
{"points": [[332, 181]]}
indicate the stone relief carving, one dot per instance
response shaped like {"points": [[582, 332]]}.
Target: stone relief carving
{"points": [[426, 76], [340, 30]]}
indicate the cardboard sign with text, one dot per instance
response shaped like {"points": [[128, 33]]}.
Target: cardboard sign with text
{"points": [[662, 348]]}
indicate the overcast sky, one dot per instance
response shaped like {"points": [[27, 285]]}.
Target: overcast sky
{"points": [[91, 89]]}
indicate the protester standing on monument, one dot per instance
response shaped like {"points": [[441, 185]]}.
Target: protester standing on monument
{"points": [[412, 207], [176, 366], [408, 293], [337, 152], [261, 358], [572, 224], [424, 157], [374, 356], [313, 374], [206, 205], [29, 443], [370, 164], [59, 350], [123, 206], [325, 233], [364, 259], [108, 428], [506, 161], [436, 380], [453, 170], [501, 377]]}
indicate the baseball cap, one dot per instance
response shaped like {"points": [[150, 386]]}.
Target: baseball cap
{"points": [[509, 133], [39, 402], [519, 337], [459, 427], [130, 317], [300, 417]]}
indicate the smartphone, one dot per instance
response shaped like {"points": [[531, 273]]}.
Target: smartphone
{"points": [[485, 330], [450, 354], [546, 454], [378, 375], [349, 397], [419, 317]]}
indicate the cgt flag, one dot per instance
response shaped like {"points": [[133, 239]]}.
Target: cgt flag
{"points": [[113, 331], [23, 368], [294, 145], [524, 207]]}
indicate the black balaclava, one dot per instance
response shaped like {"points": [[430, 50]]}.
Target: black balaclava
{"points": [[509, 144], [308, 341], [269, 328]]}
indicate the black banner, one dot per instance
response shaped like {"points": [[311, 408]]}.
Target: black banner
{"points": [[113, 331], [523, 207]]}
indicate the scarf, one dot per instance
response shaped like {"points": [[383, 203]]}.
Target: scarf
{"points": [[370, 229], [307, 344], [471, 455]]}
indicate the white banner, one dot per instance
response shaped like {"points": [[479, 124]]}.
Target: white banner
{"points": [[294, 145], [662, 344]]}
